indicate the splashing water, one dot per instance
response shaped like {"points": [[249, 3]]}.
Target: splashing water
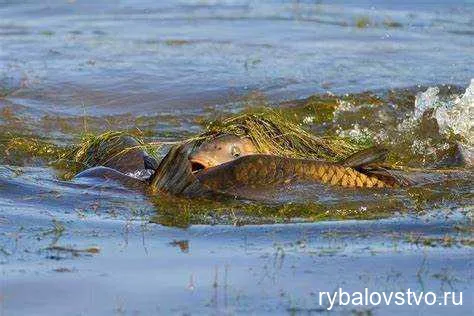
{"points": [[454, 115], [433, 130], [425, 101], [458, 116], [357, 133]]}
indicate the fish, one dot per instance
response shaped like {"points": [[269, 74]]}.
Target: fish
{"points": [[107, 174], [250, 172], [122, 153], [227, 162], [261, 170], [221, 149], [176, 175]]}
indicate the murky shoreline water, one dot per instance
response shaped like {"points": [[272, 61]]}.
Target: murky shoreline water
{"points": [[161, 69]]}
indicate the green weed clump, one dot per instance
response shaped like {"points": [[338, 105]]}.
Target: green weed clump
{"points": [[26, 146], [183, 212], [92, 150], [273, 133], [97, 150], [363, 22]]}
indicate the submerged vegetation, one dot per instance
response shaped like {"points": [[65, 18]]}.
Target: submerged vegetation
{"points": [[324, 126], [183, 212], [92, 150], [272, 132], [363, 22], [97, 150], [18, 148]]}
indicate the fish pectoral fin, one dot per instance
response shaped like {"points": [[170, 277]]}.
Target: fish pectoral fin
{"points": [[365, 157], [150, 162]]}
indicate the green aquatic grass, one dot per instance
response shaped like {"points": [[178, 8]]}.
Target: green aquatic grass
{"points": [[98, 149], [362, 22], [18, 146], [177, 42], [448, 240], [278, 131], [183, 212], [47, 33], [92, 150], [392, 23], [271, 131]]}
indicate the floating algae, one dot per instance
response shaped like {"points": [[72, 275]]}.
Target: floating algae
{"points": [[183, 212], [273, 133], [17, 148], [282, 132], [92, 150], [106, 148]]}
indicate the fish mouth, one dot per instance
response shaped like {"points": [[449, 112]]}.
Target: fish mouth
{"points": [[197, 165]]}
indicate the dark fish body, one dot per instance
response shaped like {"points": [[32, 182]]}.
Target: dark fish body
{"points": [[269, 170], [114, 159], [251, 174], [266, 172], [107, 174], [174, 175], [123, 153]]}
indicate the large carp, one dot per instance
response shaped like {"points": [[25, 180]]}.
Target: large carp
{"points": [[176, 174], [229, 174]]}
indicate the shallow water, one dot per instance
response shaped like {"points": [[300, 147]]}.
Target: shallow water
{"points": [[161, 68]]}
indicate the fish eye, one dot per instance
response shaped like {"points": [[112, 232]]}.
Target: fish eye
{"points": [[235, 151]]}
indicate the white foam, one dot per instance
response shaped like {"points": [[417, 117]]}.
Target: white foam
{"points": [[457, 116], [454, 115], [425, 101], [356, 133]]}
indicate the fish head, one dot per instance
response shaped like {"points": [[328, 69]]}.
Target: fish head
{"points": [[219, 150]]}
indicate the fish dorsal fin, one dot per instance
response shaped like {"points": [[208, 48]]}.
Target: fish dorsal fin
{"points": [[365, 157]]}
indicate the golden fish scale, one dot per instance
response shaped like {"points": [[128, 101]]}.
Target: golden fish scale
{"points": [[267, 172], [338, 175], [254, 173], [283, 171], [299, 168], [348, 177], [241, 174], [289, 170]]}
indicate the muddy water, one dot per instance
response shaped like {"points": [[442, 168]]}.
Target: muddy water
{"points": [[159, 69]]}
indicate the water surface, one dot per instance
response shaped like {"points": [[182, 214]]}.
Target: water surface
{"points": [[159, 68]]}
